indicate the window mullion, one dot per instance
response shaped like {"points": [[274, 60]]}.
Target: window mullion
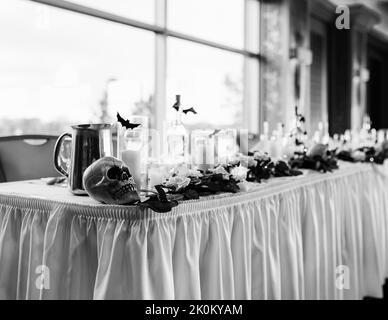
{"points": [[160, 65], [251, 67]]}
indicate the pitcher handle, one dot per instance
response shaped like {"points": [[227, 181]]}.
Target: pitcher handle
{"points": [[57, 148]]}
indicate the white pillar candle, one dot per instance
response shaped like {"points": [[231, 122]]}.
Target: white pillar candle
{"points": [[264, 144], [273, 152], [265, 128], [132, 158], [326, 139], [243, 141], [373, 136], [280, 130], [380, 136], [316, 137]]}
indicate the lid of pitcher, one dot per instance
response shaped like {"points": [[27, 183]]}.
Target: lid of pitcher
{"points": [[92, 126]]}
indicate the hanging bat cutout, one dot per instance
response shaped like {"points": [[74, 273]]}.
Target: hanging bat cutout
{"points": [[186, 111], [177, 106], [126, 123], [215, 132], [177, 103]]}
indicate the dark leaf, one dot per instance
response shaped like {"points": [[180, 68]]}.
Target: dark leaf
{"points": [[158, 206], [231, 187], [175, 197], [191, 194], [161, 193]]}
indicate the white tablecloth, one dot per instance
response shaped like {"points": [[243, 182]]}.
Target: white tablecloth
{"points": [[284, 239]]}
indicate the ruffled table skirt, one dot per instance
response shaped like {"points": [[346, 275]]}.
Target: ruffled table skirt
{"points": [[316, 236]]}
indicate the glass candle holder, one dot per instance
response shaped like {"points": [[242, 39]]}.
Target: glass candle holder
{"points": [[158, 172], [225, 145], [132, 149], [203, 149]]}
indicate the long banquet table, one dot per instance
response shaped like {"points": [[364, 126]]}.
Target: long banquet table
{"points": [[287, 238]]}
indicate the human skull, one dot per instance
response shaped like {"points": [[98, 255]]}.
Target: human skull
{"points": [[109, 181]]}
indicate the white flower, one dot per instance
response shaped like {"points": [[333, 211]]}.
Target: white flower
{"points": [[260, 156], [239, 173], [318, 149], [247, 161], [184, 171], [245, 185], [251, 162], [178, 182], [234, 162], [194, 173], [179, 170], [358, 155], [221, 170]]}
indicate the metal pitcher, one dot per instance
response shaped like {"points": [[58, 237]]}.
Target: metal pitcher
{"points": [[89, 142]]}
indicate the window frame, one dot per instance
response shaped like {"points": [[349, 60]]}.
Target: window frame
{"points": [[251, 107]]}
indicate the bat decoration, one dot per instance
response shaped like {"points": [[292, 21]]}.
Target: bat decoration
{"points": [[186, 111], [177, 103], [126, 123], [215, 132], [177, 106]]}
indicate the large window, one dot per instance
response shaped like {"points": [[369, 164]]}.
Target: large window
{"points": [[209, 80], [216, 20], [65, 62]]}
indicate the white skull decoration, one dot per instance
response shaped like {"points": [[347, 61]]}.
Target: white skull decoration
{"points": [[109, 181]]}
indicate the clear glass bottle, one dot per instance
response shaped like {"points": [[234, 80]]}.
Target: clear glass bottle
{"points": [[177, 141]]}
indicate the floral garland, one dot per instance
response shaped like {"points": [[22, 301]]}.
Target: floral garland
{"points": [[318, 158], [226, 178], [184, 183], [265, 168], [365, 154]]}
